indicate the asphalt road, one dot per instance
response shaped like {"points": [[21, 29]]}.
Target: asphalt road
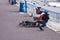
{"points": [[10, 30]]}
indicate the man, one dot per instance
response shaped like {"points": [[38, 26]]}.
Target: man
{"points": [[43, 19]]}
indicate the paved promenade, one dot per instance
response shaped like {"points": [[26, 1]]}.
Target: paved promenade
{"points": [[9, 29]]}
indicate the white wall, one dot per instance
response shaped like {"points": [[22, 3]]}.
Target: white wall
{"points": [[51, 0]]}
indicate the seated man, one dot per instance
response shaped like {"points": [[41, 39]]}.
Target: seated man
{"points": [[43, 19], [39, 20]]}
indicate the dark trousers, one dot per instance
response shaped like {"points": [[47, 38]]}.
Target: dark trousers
{"points": [[43, 22]]}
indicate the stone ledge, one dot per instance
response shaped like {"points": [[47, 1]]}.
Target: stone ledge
{"points": [[53, 25]]}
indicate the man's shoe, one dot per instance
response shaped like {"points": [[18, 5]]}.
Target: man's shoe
{"points": [[41, 28]]}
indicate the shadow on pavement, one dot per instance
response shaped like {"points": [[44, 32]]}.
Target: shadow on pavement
{"points": [[23, 26], [14, 11]]}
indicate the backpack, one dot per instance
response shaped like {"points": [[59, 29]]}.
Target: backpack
{"points": [[46, 16]]}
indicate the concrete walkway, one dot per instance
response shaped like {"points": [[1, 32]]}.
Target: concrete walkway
{"points": [[9, 29]]}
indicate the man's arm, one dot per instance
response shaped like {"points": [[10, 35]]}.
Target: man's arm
{"points": [[41, 16]]}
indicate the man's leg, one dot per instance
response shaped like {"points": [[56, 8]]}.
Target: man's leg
{"points": [[43, 22], [40, 26]]}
